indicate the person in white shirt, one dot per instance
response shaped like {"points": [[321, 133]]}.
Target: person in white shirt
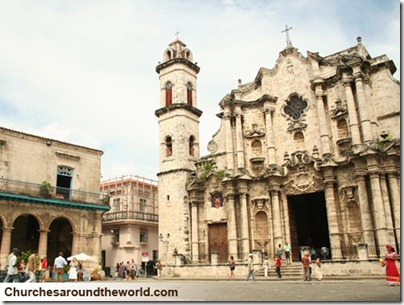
{"points": [[12, 272], [58, 266]]}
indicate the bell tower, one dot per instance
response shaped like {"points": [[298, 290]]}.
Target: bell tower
{"points": [[178, 119]]}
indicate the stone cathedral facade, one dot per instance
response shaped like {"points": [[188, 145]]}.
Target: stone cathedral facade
{"points": [[306, 153]]}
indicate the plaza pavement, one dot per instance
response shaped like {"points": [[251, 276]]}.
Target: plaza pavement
{"points": [[332, 289]]}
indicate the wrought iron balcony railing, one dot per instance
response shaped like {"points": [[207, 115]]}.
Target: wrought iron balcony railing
{"points": [[46, 191], [129, 215]]}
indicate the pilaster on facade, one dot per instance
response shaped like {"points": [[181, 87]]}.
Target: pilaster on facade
{"points": [[352, 115], [269, 110], [322, 119], [362, 105]]}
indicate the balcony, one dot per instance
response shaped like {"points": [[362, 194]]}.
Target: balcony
{"points": [[52, 195], [129, 215]]}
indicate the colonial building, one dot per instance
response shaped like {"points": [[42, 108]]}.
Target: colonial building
{"points": [[49, 196], [130, 228], [306, 153]]}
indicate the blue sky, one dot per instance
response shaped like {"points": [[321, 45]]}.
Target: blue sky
{"points": [[84, 71]]}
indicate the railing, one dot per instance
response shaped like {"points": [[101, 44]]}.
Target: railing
{"points": [[129, 215], [52, 192]]}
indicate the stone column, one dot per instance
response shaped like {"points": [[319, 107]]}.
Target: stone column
{"points": [[43, 243], [195, 232], [286, 218], [387, 210], [244, 221], [231, 226], [322, 121], [276, 214], [395, 202], [378, 210], [5, 246], [270, 134], [366, 217], [229, 140], [239, 138], [362, 105], [332, 215], [353, 118]]}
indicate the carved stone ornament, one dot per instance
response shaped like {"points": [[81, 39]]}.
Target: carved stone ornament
{"points": [[212, 146]]}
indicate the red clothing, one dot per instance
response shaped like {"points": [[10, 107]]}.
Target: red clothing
{"points": [[278, 262], [306, 261], [392, 275]]}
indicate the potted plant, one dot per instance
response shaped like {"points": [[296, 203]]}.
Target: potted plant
{"points": [[46, 189]]}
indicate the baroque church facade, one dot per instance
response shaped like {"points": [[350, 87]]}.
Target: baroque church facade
{"points": [[307, 153]]}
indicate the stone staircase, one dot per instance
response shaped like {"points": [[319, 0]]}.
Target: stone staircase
{"points": [[288, 271]]}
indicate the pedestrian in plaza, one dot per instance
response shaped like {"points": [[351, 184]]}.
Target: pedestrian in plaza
{"points": [[132, 269], [313, 253], [317, 270], [159, 267], [122, 270], [306, 266], [286, 247], [392, 274], [32, 266], [59, 266], [232, 265], [12, 270], [44, 271], [127, 270], [324, 252], [278, 264], [74, 264], [265, 265], [250, 267], [280, 251]]}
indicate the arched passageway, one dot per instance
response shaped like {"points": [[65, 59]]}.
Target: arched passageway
{"points": [[25, 235], [60, 238]]}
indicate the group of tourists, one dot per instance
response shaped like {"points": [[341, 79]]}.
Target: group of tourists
{"points": [[312, 264]]}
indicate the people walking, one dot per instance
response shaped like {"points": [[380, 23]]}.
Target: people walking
{"points": [[265, 265], [44, 271], [250, 267], [232, 264], [32, 266], [58, 266], [73, 270], [318, 272], [306, 266], [12, 271], [159, 267], [392, 274], [280, 251], [286, 247], [278, 264]]}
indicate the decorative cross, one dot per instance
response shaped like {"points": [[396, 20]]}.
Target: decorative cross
{"points": [[286, 30], [176, 34]]}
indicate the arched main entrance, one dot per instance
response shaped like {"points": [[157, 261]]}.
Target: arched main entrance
{"points": [[308, 222], [25, 235], [60, 238]]}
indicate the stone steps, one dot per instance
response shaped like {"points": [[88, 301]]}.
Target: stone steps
{"points": [[293, 270]]}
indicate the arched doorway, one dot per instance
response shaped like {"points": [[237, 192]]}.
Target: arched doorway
{"points": [[25, 235], [60, 238]]}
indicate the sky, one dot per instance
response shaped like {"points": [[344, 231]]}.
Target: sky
{"points": [[83, 71]]}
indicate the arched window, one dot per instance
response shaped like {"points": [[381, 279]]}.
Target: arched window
{"points": [[169, 94], [298, 137], [342, 128], [189, 93], [169, 146], [191, 145]]}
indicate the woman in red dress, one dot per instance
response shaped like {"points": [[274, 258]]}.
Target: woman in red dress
{"points": [[392, 275]]}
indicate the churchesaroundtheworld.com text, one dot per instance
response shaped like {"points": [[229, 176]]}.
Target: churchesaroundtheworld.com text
{"points": [[15, 292]]}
